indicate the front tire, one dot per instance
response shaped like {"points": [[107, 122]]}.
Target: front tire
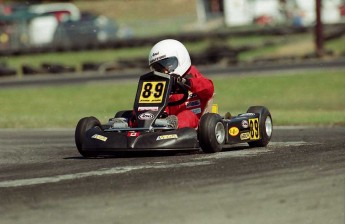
{"points": [[265, 126], [83, 126], [211, 133]]}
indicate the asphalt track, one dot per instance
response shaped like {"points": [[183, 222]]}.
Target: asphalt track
{"points": [[298, 178]]}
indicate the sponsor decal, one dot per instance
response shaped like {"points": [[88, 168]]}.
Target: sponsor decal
{"points": [[234, 131], [146, 116], [191, 95], [165, 137], [245, 124], [196, 110], [194, 103], [245, 136], [247, 114], [147, 108], [133, 134], [99, 137], [254, 129], [155, 54], [157, 59]]}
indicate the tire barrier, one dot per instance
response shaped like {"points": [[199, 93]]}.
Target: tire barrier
{"points": [[216, 53], [47, 68], [6, 71]]}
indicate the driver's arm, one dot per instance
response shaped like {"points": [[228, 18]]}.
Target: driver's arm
{"points": [[200, 85]]}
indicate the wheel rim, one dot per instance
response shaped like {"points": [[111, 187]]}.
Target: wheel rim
{"points": [[220, 132], [268, 125]]}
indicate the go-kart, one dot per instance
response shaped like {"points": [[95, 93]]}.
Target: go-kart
{"points": [[214, 131]]}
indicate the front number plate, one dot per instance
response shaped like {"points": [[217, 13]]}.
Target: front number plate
{"points": [[152, 92]]}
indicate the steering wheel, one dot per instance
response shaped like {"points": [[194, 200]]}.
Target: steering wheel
{"points": [[181, 89]]}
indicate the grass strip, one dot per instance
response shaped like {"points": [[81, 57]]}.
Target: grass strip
{"points": [[308, 98]]}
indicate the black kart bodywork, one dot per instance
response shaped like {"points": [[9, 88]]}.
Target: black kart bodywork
{"points": [[213, 133]]}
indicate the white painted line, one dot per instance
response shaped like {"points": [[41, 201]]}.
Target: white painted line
{"points": [[287, 144], [235, 153], [293, 127], [252, 151], [116, 170]]}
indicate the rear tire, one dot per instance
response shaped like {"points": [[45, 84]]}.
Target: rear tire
{"points": [[265, 126], [83, 126], [211, 133]]}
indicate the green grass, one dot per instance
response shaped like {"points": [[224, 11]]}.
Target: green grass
{"points": [[62, 106], [310, 98], [294, 99]]}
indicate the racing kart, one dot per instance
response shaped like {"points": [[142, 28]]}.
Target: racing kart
{"points": [[214, 131]]}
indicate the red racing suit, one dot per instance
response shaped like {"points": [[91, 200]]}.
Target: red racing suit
{"points": [[200, 92]]}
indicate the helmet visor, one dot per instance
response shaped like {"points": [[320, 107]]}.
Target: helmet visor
{"points": [[167, 65]]}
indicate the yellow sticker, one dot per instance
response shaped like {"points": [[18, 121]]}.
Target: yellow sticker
{"points": [[234, 131], [152, 92], [99, 137], [214, 108], [254, 129], [164, 137], [245, 136]]}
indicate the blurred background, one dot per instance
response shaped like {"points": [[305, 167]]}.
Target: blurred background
{"points": [[84, 57], [40, 37]]}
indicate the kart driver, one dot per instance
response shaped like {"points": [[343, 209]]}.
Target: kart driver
{"points": [[171, 57]]}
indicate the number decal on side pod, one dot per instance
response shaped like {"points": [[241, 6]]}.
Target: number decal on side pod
{"points": [[254, 129]]}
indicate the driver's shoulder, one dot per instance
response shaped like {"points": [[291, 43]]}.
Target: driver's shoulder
{"points": [[193, 72]]}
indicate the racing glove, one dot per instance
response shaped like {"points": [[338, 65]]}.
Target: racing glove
{"points": [[184, 81], [176, 79]]}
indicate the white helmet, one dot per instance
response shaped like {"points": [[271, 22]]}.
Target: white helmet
{"points": [[170, 57]]}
